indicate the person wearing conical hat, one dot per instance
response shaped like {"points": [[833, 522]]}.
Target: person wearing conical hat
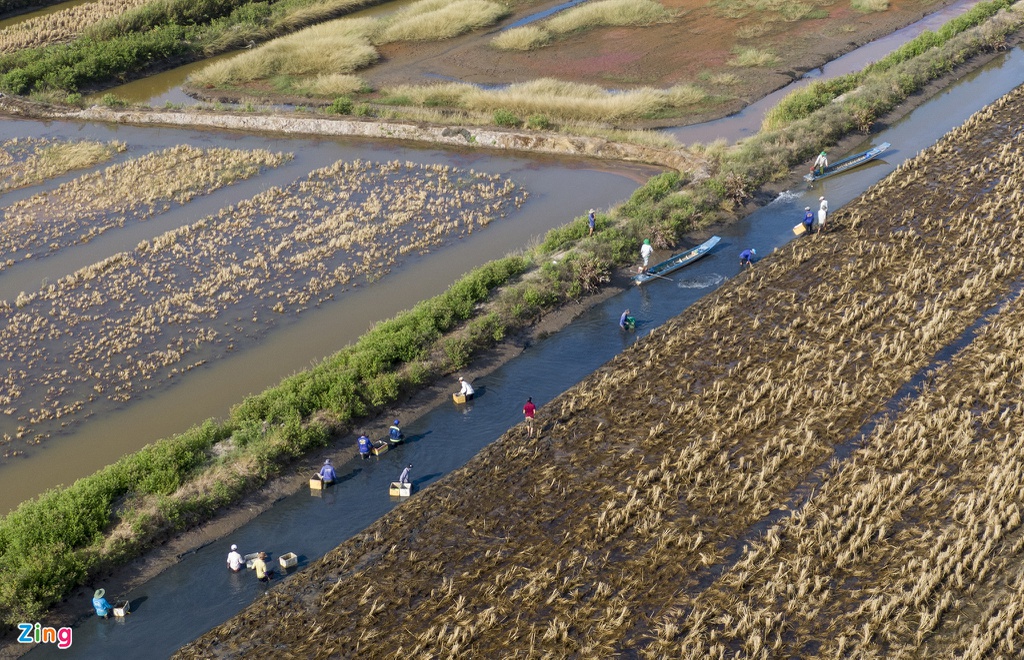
{"points": [[100, 603], [591, 222]]}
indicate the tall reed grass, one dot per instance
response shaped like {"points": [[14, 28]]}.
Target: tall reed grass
{"points": [[432, 20], [604, 13]]}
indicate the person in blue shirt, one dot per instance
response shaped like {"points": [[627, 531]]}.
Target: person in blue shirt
{"points": [[364, 446], [747, 257], [100, 604], [627, 322], [591, 222], [327, 474], [808, 219], [395, 433]]}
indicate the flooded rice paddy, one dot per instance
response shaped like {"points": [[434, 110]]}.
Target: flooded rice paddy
{"points": [[267, 274]]}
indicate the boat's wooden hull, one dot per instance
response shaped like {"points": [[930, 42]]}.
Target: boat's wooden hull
{"points": [[676, 262]]}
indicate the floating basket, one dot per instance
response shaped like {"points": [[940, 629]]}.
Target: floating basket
{"points": [[398, 489], [459, 398], [380, 449], [123, 611], [288, 560], [316, 484]]}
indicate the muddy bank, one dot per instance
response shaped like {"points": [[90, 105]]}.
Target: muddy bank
{"points": [[633, 524], [462, 137]]}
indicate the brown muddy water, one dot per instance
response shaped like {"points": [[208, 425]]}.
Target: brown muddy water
{"points": [[559, 189]]}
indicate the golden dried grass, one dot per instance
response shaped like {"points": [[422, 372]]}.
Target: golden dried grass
{"points": [[526, 37], [61, 26], [608, 13], [336, 47], [433, 20]]}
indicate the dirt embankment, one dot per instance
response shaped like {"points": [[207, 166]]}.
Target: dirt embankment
{"points": [[633, 524]]}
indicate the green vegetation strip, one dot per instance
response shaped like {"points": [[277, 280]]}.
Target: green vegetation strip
{"points": [[50, 544], [157, 33]]}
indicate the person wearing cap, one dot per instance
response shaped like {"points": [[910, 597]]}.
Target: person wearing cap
{"points": [[466, 389], [100, 604], [808, 219], [364, 446], [820, 163], [395, 433], [529, 410], [235, 561], [747, 257], [404, 477], [822, 213], [591, 222], [646, 251], [260, 564], [327, 473]]}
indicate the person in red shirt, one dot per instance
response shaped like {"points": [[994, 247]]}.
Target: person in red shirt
{"points": [[528, 411]]}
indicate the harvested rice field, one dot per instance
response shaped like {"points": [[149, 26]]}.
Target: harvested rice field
{"points": [[109, 332], [793, 467], [28, 161]]}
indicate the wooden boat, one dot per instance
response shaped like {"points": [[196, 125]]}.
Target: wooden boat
{"points": [[849, 162], [676, 262]]}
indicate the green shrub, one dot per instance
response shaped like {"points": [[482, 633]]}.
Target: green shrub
{"points": [[506, 119], [340, 106], [538, 122]]}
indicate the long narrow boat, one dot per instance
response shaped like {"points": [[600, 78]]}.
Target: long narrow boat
{"points": [[849, 162], [676, 262]]}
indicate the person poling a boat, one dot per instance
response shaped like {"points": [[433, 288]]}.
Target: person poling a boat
{"points": [[820, 163], [627, 322], [645, 253], [747, 257]]}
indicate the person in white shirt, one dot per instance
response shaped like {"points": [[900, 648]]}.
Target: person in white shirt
{"points": [[235, 561], [646, 251], [822, 213], [820, 163], [467, 389]]}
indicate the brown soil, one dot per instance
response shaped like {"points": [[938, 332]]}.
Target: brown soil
{"points": [[692, 48], [631, 526]]}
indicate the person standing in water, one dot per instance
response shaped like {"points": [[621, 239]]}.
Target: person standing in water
{"points": [[404, 477], [747, 257]]}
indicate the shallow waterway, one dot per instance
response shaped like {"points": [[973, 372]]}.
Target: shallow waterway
{"points": [[199, 593]]}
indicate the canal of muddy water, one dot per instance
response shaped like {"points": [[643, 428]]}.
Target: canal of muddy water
{"points": [[199, 593], [559, 189]]}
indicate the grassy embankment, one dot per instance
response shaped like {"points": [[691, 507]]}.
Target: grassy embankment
{"points": [[53, 543], [156, 34]]}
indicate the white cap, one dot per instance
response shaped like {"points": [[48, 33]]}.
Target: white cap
{"points": [[460, 378], [821, 198], [591, 210], [234, 547], [807, 208]]}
